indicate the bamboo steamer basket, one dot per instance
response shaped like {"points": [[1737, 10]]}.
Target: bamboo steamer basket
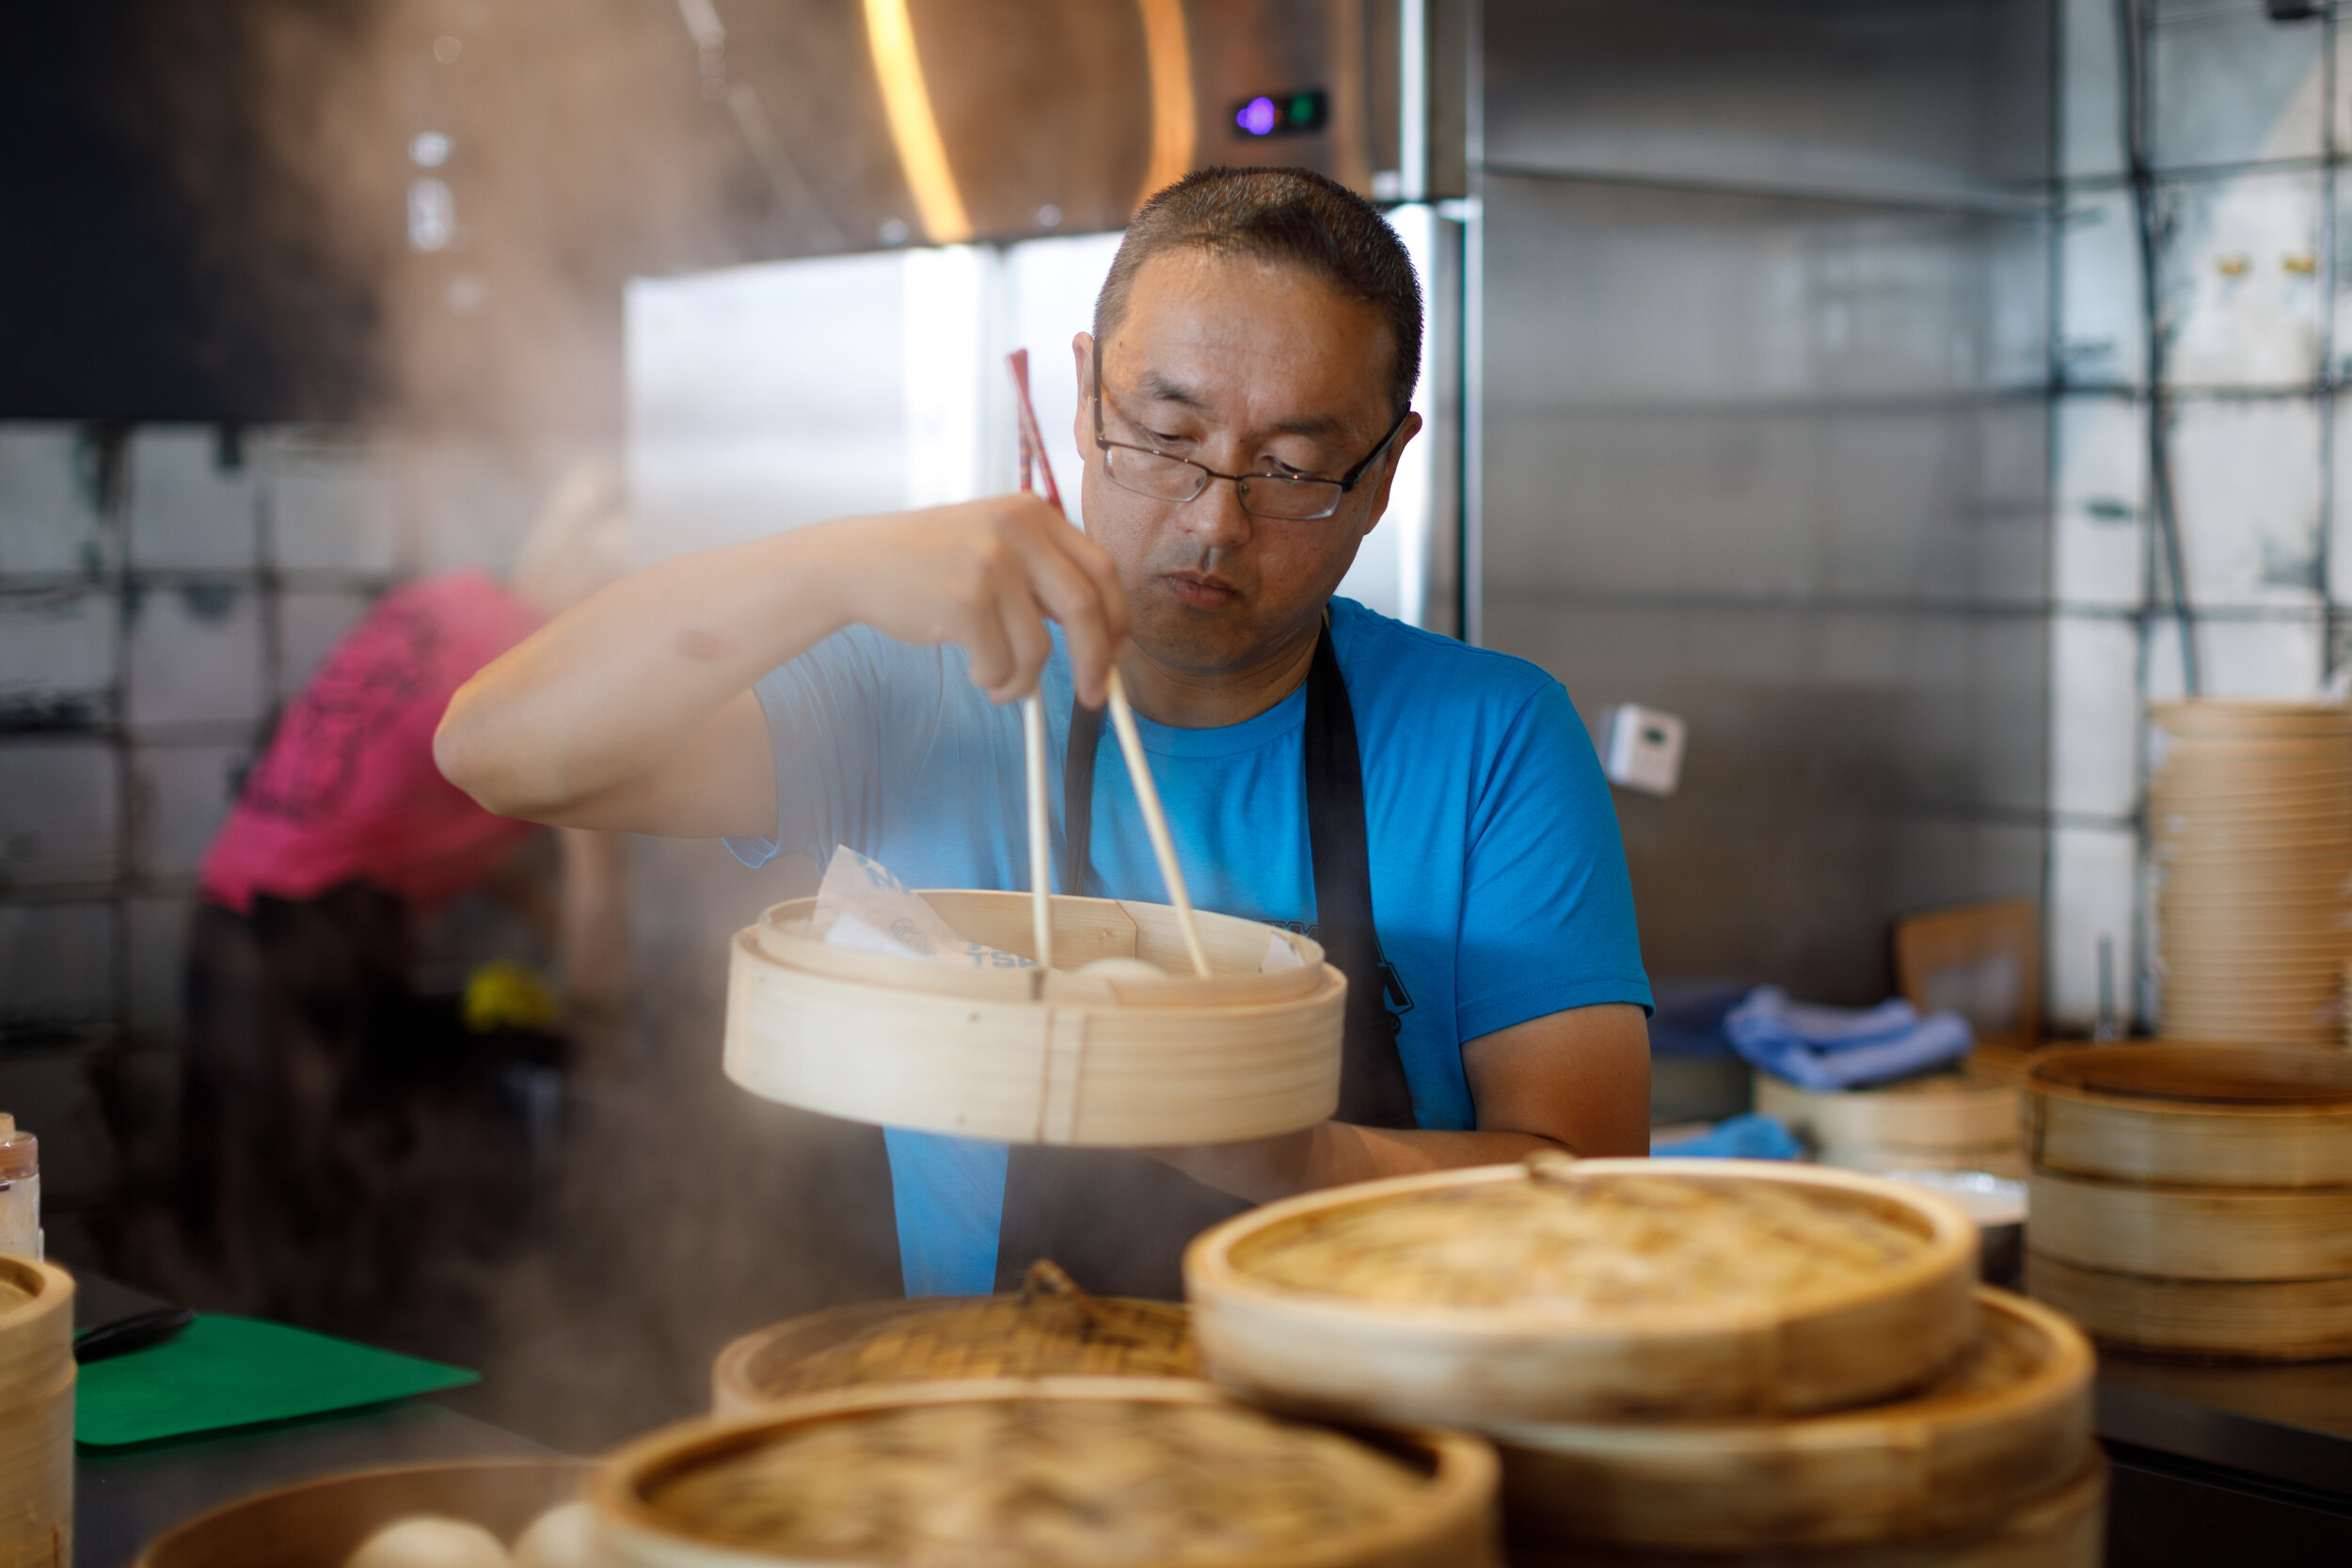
{"points": [[1707, 1354], [319, 1524], [1034, 1056], [2292, 1320], [37, 1379], [1050, 1328], [1445, 1518], [1948, 1121], [2008, 1423], [2193, 1115], [2244, 1233], [2065, 1529]]}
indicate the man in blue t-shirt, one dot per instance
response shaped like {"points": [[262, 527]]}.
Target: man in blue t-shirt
{"points": [[1432, 811]]}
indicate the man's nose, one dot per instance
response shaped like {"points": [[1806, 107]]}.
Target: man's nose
{"points": [[1215, 518]]}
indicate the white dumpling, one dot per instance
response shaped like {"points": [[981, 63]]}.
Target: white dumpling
{"points": [[564, 1537], [428, 1541], [1116, 969]]}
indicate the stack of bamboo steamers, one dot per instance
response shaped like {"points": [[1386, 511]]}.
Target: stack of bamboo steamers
{"points": [[2250, 810]]}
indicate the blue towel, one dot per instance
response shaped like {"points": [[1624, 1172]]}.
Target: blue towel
{"points": [[1744, 1137], [1842, 1048]]}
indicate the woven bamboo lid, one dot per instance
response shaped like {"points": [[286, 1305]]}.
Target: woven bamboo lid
{"points": [[2008, 1423], [1047, 1473], [1586, 1290], [1050, 1328]]}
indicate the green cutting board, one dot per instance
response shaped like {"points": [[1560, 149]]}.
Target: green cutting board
{"points": [[225, 1372]]}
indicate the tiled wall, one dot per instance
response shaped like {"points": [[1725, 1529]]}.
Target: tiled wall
{"points": [[162, 590], [2245, 123]]}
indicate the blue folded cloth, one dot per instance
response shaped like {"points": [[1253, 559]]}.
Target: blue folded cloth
{"points": [[1744, 1137], [1842, 1048]]}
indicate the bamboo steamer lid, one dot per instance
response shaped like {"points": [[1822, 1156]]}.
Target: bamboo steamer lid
{"points": [[2265, 715], [2216, 1115], [319, 1524], [1597, 1289], [1050, 1328], [36, 1329], [2009, 1422], [1942, 1110], [1045, 1472], [2066, 1528], [1023, 1055], [2288, 1320], [2249, 1234]]}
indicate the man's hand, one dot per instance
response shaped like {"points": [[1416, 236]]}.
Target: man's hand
{"points": [[633, 710], [1576, 1080], [987, 575]]}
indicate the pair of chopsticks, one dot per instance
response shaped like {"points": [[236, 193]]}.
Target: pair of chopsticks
{"points": [[1036, 465]]}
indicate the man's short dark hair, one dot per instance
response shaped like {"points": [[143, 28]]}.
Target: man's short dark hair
{"points": [[1278, 215]]}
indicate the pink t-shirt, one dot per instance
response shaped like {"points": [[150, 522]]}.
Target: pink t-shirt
{"points": [[347, 790]]}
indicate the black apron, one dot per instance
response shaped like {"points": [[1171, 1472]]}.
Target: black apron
{"points": [[1118, 1221]]}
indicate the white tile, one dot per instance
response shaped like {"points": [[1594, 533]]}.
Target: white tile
{"points": [[2093, 872], [2102, 337], [156, 936], [2094, 716], [2237, 280], [472, 504], [180, 796], [2091, 136], [60, 812], [2099, 501], [333, 502], [2246, 487], [2281, 658], [56, 660], [195, 656], [188, 509], [309, 626], [2227, 86], [56, 967], [49, 512]]}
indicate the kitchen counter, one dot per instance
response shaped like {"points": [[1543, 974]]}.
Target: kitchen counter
{"points": [[125, 1497], [2218, 1463]]}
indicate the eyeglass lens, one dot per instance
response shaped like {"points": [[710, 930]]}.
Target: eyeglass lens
{"points": [[1164, 477]]}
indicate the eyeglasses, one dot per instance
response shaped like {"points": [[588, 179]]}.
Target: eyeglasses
{"points": [[1148, 472]]}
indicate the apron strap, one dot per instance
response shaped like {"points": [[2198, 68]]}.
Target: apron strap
{"points": [[1119, 1220]]}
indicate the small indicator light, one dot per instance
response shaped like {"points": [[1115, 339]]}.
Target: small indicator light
{"points": [[1257, 117], [1286, 114]]}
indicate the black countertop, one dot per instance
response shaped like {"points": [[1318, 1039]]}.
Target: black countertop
{"points": [[2290, 1424]]}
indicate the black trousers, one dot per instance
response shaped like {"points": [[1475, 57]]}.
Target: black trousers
{"points": [[345, 1153]]}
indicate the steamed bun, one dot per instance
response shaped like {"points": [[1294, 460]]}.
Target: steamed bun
{"points": [[428, 1541], [562, 1537]]}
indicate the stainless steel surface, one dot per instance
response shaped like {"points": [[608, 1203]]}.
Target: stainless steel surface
{"points": [[1762, 401]]}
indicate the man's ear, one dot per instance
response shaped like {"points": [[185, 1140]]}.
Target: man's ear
{"points": [[1389, 460], [1082, 422]]}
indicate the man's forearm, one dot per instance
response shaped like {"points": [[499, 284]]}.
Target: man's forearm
{"points": [[1339, 1152], [598, 695]]}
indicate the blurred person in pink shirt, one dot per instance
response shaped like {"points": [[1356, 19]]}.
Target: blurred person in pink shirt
{"points": [[323, 1100]]}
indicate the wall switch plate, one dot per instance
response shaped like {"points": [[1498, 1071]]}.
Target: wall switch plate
{"points": [[1644, 750]]}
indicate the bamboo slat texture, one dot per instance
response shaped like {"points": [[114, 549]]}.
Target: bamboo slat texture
{"points": [[2065, 1529], [2008, 1423], [2250, 810], [1040, 1471], [36, 1380], [1051, 1328], [1594, 1290], [2193, 1115], [1036, 1056]]}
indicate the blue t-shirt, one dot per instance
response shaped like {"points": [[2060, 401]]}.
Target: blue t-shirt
{"points": [[1498, 884]]}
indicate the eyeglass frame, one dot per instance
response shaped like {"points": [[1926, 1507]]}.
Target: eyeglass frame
{"points": [[1344, 484]]}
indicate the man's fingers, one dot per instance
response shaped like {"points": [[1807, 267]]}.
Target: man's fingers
{"points": [[1026, 635], [1070, 594]]}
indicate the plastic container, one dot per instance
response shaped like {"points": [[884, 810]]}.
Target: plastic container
{"points": [[20, 1192]]}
